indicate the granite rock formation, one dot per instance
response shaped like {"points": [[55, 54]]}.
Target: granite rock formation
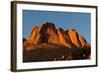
{"points": [[47, 43]]}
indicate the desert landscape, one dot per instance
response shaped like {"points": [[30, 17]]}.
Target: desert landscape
{"points": [[48, 43]]}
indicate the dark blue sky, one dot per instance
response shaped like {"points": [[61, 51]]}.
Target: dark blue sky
{"points": [[66, 20]]}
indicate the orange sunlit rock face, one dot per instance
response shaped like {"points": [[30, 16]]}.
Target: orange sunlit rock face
{"points": [[74, 37], [47, 43]]}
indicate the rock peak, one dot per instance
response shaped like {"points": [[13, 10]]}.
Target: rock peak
{"points": [[48, 24]]}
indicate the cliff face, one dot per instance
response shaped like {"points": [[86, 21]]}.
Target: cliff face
{"points": [[48, 43], [45, 33]]}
